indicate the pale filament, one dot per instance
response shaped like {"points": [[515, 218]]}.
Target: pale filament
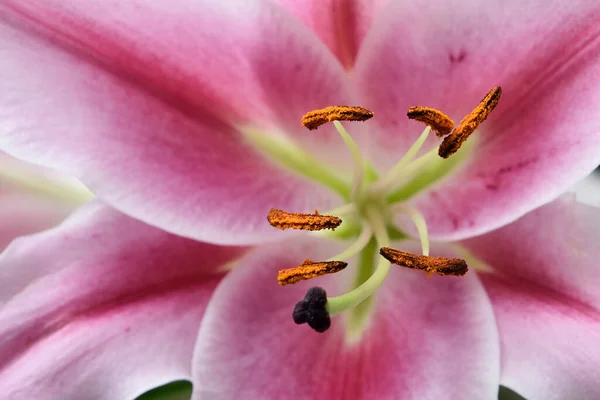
{"points": [[356, 247], [389, 179], [419, 220], [357, 158]]}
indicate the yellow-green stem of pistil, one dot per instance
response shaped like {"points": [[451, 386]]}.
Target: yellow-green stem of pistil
{"points": [[339, 304], [357, 318]]}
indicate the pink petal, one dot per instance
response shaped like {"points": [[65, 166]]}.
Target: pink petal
{"points": [[33, 199], [544, 288], [544, 135], [144, 101], [341, 25], [429, 338], [22, 214], [103, 307]]}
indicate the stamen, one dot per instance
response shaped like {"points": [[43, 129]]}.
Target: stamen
{"points": [[467, 126], [313, 119], [286, 153], [439, 265], [309, 270], [310, 222], [419, 220], [312, 310], [437, 120], [357, 158], [397, 170], [346, 230], [410, 173], [357, 246], [346, 209]]}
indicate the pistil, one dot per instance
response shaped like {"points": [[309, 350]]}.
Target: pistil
{"points": [[312, 310], [336, 305]]}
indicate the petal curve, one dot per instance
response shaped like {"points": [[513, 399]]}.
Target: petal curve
{"points": [[428, 339], [542, 138], [23, 214], [102, 307], [33, 199], [587, 191], [341, 25], [544, 289], [144, 102]]}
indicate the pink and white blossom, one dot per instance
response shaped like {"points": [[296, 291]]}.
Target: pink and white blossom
{"points": [[183, 117]]}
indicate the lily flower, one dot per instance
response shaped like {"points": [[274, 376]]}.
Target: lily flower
{"points": [[185, 118]]}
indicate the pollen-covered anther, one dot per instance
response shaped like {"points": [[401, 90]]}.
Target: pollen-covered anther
{"points": [[439, 265], [312, 310], [309, 222], [437, 120], [313, 119], [309, 270], [467, 126]]}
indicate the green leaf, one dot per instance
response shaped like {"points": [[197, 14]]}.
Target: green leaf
{"points": [[507, 394], [178, 390]]}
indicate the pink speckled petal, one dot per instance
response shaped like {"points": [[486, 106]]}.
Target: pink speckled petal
{"points": [[102, 307], [544, 135], [145, 101], [341, 24], [544, 289], [428, 338]]}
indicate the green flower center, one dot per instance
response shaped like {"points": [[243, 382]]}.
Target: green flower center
{"points": [[371, 202]]}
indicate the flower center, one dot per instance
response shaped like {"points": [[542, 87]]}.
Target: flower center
{"points": [[371, 203]]}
